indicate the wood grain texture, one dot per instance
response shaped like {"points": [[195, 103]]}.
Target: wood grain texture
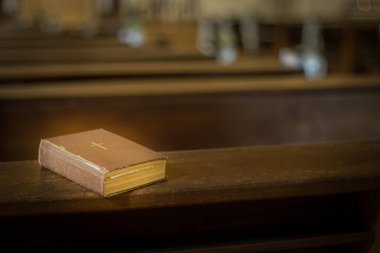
{"points": [[100, 54], [48, 41], [204, 176], [169, 41], [169, 86], [164, 66], [190, 120]]}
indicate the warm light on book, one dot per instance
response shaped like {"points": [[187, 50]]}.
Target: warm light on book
{"points": [[102, 161]]}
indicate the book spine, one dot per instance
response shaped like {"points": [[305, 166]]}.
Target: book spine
{"points": [[61, 162]]}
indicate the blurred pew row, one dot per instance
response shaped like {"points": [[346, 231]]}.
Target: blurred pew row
{"points": [[61, 80], [168, 95], [347, 48]]}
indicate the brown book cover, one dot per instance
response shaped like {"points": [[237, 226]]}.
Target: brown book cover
{"points": [[102, 161]]}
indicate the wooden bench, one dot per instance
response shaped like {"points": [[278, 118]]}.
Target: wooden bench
{"points": [[164, 66], [190, 113], [299, 198]]}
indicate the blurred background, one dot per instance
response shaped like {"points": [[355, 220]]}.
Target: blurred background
{"points": [[189, 74]]}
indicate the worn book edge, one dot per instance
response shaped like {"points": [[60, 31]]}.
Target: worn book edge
{"points": [[73, 167], [89, 164]]}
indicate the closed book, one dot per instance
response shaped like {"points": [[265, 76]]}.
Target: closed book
{"points": [[102, 161]]}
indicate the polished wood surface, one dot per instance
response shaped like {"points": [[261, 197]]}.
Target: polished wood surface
{"points": [[168, 67], [55, 41], [168, 42], [172, 115], [80, 54], [298, 198], [172, 35], [205, 176], [191, 84]]}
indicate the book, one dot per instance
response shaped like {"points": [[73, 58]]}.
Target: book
{"points": [[102, 161]]}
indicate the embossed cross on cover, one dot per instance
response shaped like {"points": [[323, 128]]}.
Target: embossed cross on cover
{"points": [[101, 161]]}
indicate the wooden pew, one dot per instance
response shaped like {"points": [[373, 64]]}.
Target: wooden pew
{"points": [[341, 41], [175, 36], [299, 198], [269, 113], [192, 113], [56, 41], [79, 54], [164, 67], [162, 41], [69, 58]]}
